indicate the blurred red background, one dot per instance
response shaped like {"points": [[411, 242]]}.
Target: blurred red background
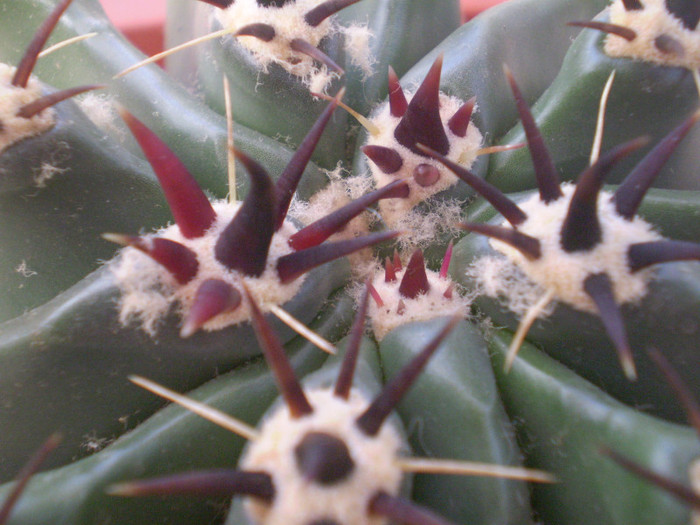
{"points": [[142, 21]]}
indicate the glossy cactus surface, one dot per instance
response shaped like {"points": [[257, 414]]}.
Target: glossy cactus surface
{"points": [[374, 148]]}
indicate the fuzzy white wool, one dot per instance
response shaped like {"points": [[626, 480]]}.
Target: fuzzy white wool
{"points": [[357, 39], [498, 276], [424, 307], [45, 173], [12, 98], [422, 225], [463, 150], [299, 502], [289, 24], [650, 23], [149, 291], [101, 110], [564, 272]]}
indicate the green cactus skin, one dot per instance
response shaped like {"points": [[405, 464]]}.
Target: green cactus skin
{"points": [[50, 231], [467, 423], [556, 408], [173, 114], [71, 357], [88, 397], [638, 91]]}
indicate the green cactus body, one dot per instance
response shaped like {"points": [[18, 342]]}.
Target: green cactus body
{"points": [[557, 408], [468, 424], [72, 332]]}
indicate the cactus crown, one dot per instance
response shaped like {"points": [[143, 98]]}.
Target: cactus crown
{"points": [[414, 293], [427, 117]]}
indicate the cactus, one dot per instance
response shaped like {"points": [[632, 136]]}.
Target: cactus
{"points": [[444, 148]]}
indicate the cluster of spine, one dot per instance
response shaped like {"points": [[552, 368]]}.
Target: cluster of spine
{"points": [[414, 293], [326, 456], [24, 111], [582, 245], [214, 250], [290, 33], [661, 31], [212, 302], [426, 118]]}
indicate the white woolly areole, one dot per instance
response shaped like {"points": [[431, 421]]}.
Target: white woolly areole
{"points": [[422, 308], [422, 225], [564, 272], [649, 23], [12, 98], [149, 290], [298, 502], [289, 24], [463, 150], [101, 110]]}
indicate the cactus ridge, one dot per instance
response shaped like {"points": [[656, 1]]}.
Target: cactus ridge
{"points": [[688, 495]]}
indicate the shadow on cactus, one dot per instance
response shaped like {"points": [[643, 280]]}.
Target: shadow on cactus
{"points": [[689, 495], [325, 456], [25, 475]]}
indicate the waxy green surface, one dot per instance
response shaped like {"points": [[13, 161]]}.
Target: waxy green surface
{"points": [[563, 421]]}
